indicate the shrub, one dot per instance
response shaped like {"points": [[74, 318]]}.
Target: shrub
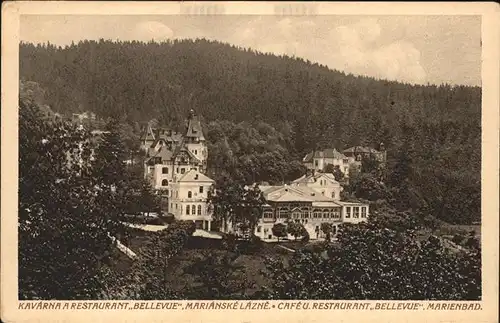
{"points": [[305, 236]]}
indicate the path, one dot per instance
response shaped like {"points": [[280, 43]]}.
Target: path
{"points": [[155, 228]]}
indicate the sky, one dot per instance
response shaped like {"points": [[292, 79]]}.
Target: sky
{"points": [[412, 49]]}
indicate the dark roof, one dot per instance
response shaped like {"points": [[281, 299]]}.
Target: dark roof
{"points": [[182, 148], [361, 149], [164, 153], [194, 128], [327, 153]]}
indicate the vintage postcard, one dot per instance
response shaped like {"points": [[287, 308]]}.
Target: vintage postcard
{"points": [[250, 162]]}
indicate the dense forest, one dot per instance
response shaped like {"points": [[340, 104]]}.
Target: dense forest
{"points": [[249, 99]]}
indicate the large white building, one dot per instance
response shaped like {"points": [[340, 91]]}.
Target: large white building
{"points": [[310, 200], [175, 165], [318, 160], [188, 198]]}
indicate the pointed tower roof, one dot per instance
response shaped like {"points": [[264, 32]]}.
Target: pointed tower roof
{"points": [[194, 129], [148, 133]]}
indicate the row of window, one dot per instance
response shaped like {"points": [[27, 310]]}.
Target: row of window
{"points": [[193, 209], [181, 170], [325, 214], [190, 209], [344, 161], [355, 213]]}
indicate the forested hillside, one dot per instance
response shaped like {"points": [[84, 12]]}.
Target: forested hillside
{"points": [[432, 133]]}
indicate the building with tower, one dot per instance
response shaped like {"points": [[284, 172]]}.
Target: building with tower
{"points": [[174, 163]]}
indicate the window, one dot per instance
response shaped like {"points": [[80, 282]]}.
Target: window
{"points": [[187, 209], [201, 189], [317, 214], [336, 213], [196, 152], [193, 207], [333, 195], [171, 205], [164, 182], [356, 212], [176, 206], [316, 163], [346, 161], [151, 169], [348, 212], [268, 214], [259, 229], [190, 194], [177, 170], [164, 170], [323, 193], [363, 212], [199, 209], [183, 170], [283, 213]]}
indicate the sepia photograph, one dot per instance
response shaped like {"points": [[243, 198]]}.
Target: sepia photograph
{"points": [[286, 156]]}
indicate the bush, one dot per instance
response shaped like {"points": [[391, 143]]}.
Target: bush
{"points": [[167, 219], [305, 236], [251, 246], [458, 238], [229, 241], [187, 226]]}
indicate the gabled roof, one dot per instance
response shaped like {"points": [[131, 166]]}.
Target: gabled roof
{"points": [[360, 149], [313, 178], [327, 153], [292, 194], [195, 176], [163, 153], [182, 148], [148, 134]]}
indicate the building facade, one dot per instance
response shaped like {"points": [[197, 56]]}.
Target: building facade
{"points": [[305, 205], [310, 200], [175, 165], [188, 199], [318, 160], [357, 153]]}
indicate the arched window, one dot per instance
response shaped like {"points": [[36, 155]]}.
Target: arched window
{"points": [[193, 208], [187, 209], [199, 209], [190, 194], [164, 182]]}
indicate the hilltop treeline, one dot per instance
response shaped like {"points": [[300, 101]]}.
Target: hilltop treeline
{"points": [[432, 133]]}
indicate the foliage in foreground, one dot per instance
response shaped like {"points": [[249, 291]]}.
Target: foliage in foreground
{"points": [[370, 262]]}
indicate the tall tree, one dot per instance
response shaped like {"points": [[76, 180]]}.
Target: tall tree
{"points": [[64, 224]]}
